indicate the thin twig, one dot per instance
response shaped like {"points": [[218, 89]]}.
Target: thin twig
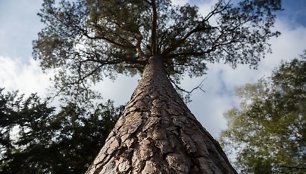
{"points": [[199, 86]]}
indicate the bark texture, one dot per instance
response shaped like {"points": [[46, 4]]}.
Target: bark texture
{"points": [[157, 134]]}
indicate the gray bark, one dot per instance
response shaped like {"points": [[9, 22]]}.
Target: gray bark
{"points": [[157, 134]]}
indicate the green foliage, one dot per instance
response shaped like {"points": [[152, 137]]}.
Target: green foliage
{"points": [[86, 40], [35, 138], [268, 131]]}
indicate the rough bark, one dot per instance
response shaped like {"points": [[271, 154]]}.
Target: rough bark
{"points": [[157, 134]]}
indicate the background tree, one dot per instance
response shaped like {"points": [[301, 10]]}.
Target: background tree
{"points": [[268, 131], [37, 139]]}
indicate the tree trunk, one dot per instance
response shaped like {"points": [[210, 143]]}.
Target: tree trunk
{"points": [[157, 134]]}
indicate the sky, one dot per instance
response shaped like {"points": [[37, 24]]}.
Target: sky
{"points": [[19, 26]]}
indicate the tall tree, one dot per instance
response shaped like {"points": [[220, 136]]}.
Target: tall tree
{"points": [[87, 40], [268, 131], [34, 138]]}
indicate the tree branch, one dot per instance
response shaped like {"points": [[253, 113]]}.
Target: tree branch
{"points": [[199, 86], [179, 42], [139, 51], [130, 46], [154, 28], [216, 11]]}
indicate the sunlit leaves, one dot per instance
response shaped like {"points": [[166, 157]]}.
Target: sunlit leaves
{"points": [[268, 130]]}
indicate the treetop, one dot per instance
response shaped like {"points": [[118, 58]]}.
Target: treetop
{"points": [[89, 39]]}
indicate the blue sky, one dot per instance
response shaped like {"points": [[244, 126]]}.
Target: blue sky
{"points": [[295, 11], [19, 25]]}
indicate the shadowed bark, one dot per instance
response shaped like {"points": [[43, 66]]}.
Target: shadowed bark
{"points": [[157, 134]]}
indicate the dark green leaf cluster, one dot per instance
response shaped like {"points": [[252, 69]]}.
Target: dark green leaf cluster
{"points": [[35, 138], [268, 131], [88, 39]]}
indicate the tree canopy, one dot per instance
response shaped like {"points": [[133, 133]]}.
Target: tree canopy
{"points": [[86, 40], [268, 131], [36, 138]]}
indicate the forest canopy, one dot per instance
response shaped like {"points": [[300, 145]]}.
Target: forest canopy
{"points": [[87, 40]]}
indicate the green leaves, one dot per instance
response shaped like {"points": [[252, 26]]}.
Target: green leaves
{"points": [[268, 130], [35, 138], [86, 40]]}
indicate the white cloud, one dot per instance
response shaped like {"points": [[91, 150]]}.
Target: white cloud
{"points": [[208, 107], [119, 90], [24, 77], [206, 6], [179, 2]]}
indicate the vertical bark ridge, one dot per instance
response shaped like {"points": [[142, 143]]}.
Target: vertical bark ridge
{"points": [[157, 134]]}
